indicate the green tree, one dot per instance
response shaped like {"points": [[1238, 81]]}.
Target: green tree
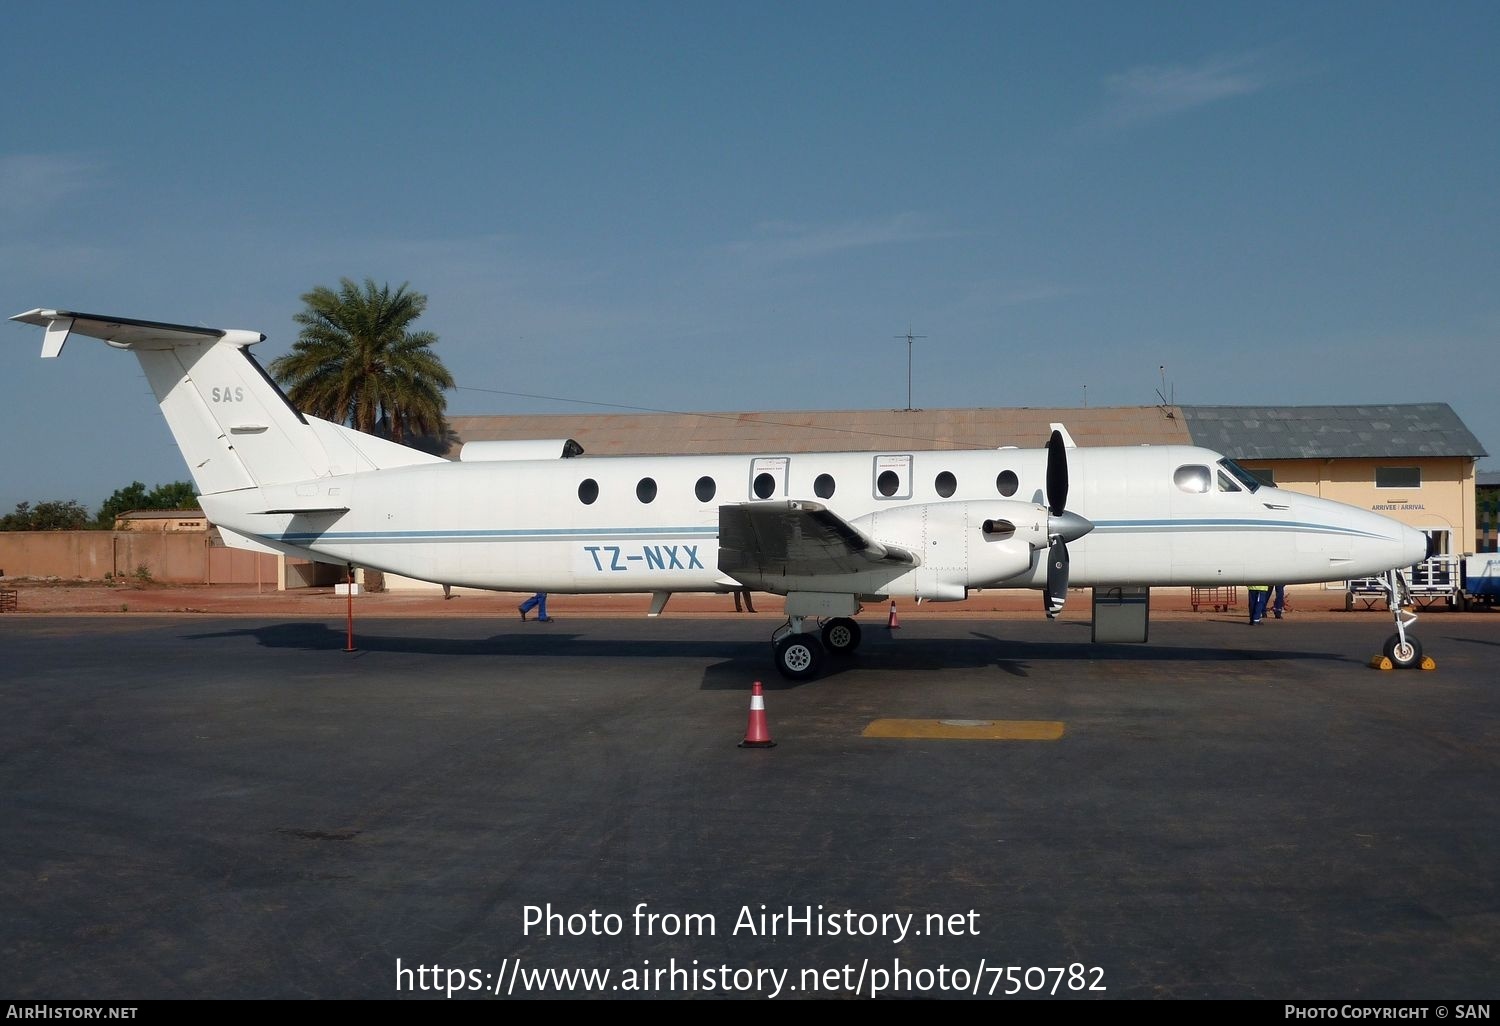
{"points": [[55, 515], [357, 362], [177, 495], [132, 496]]}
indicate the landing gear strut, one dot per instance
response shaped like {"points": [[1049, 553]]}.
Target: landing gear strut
{"points": [[1402, 650]]}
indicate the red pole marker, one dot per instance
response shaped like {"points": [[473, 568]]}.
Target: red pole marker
{"points": [[757, 735], [894, 623], [349, 647]]}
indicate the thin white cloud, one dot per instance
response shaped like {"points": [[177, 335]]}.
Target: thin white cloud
{"points": [[1152, 92], [780, 241], [31, 184]]}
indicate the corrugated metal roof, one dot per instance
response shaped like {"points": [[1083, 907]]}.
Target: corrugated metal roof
{"points": [[1332, 432], [611, 434], [1243, 432]]}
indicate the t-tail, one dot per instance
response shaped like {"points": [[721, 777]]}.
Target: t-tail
{"points": [[235, 427]]}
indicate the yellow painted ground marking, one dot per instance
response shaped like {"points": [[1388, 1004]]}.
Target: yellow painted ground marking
{"points": [[968, 730]]}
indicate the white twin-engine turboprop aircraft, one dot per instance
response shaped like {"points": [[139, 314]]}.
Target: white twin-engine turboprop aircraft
{"points": [[826, 530]]}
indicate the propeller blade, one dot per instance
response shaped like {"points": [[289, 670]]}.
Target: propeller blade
{"points": [[1057, 577], [1057, 474]]}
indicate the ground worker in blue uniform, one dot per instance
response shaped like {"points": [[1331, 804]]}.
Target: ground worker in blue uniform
{"points": [[539, 603], [1259, 595]]}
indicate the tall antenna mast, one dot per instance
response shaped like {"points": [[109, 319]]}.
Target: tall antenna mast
{"points": [[910, 338]]}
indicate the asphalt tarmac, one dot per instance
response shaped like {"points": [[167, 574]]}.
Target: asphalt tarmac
{"points": [[232, 807]]}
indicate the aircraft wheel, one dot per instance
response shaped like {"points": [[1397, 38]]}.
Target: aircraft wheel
{"points": [[1403, 656], [799, 656], [841, 635]]}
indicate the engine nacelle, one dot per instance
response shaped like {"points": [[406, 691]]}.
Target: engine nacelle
{"points": [[968, 544]]}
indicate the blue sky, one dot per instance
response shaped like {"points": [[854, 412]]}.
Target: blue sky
{"points": [[724, 206]]}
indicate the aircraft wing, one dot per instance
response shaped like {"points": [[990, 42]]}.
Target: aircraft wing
{"points": [[798, 538]]}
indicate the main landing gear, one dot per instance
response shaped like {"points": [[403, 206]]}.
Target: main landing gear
{"points": [[800, 655]]}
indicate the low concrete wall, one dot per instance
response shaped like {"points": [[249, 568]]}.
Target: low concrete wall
{"points": [[174, 558]]}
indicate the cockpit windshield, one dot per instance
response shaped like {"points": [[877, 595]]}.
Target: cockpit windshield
{"points": [[1243, 476]]}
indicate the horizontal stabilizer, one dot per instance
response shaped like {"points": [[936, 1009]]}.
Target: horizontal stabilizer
{"points": [[125, 332]]}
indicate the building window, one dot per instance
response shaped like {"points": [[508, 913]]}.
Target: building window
{"points": [[1266, 474], [1398, 477], [705, 489], [588, 491]]}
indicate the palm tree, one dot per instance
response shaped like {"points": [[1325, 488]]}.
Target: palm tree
{"points": [[356, 362]]}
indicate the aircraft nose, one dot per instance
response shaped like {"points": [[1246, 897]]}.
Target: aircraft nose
{"points": [[1413, 546]]}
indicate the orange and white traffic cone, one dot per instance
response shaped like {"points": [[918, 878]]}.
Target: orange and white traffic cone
{"points": [[757, 735], [894, 623]]}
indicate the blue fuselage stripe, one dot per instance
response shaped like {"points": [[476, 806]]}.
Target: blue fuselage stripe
{"points": [[1101, 527]]}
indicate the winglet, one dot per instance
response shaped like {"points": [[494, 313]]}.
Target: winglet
{"points": [[57, 333]]}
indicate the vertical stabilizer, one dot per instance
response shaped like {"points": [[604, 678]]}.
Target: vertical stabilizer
{"points": [[232, 423]]}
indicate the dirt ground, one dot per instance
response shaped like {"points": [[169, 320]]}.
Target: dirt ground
{"points": [[94, 597]]}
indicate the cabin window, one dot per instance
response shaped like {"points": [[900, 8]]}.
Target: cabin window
{"points": [[705, 489], [768, 476], [588, 491], [1007, 483], [892, 476], [1193, 478], [1398, 477], [823, 486], [646, 490], [946, 484]]}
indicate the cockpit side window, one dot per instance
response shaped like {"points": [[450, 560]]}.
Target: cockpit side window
{"points": [[1193, 478], [1240, 474], [1226, 483]]}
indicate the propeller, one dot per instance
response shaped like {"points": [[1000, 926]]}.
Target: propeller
{"points": [[1062, 526], [1057, 474]]}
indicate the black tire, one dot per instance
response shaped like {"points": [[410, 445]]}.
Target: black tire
{"points": [[1403, 657], [841, 635], [799, 656]]}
